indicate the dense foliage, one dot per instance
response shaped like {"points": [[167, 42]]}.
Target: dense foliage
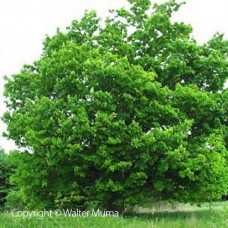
{"points": [[114, 114], [5, 172]]}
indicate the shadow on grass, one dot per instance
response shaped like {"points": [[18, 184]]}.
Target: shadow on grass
{"points": [[175, 215]]}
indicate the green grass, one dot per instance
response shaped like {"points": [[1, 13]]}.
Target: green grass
{"points": [[217, 218]]}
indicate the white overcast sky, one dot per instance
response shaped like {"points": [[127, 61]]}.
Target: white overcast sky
{"points": [[24, 24]]}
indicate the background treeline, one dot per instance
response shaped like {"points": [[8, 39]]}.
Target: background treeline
{"points": [[6, 169]]}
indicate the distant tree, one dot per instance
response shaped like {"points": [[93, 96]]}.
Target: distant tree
{"points": [[110, 115], [5, 172]]}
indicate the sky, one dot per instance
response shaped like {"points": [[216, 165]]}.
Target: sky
{"points": [[24, 24]]}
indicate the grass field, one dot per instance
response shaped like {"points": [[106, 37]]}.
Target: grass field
{"points": [[203, 218]]}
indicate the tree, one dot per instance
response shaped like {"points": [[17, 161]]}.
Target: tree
{"points": [[111, 115], [5, 172]]}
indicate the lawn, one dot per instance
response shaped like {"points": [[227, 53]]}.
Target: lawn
{"points": [[216, 218]]}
